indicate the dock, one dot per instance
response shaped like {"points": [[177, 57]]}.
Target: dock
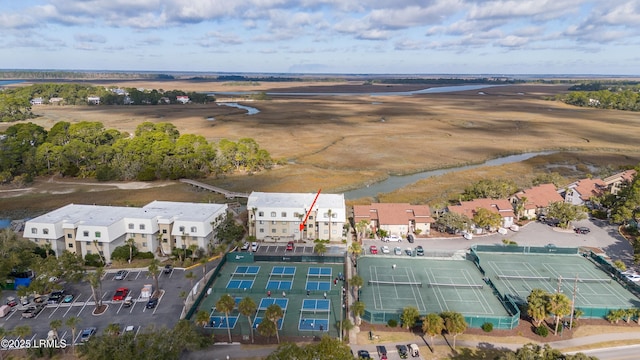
{"points": [[227, 194]]}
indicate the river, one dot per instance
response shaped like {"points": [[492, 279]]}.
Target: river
{"points": [[396, 182], [250, 110]]}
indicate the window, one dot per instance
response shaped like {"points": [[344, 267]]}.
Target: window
{"points": [[334, 231], [34, 230], [69, 236], [310, 217], [181, 229], [334, 215], [164, 240], [273, 222], [131, 226], [296, 214], [194, 229], [284, 223], [326, 231], [88, 252], [98, 234], [101, 252], [262, 230], [35, 240], [284, 214], [273, 214], [284, 231], [273, 231], [141, 226], [261, 213], [85, 233], [45, 231], [194, 238], [144, 244], [261, 222], [326, 224], [71, 245], [325, 215], [164, 231]]}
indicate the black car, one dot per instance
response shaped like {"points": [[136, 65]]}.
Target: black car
{"points": [[363, 354], [582, 230], [152, 303], [402, 351], [382, 352], [168, 269], [55, 297], [419, 250]]}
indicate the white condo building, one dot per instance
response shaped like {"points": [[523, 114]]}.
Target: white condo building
{"points": [[157, 227], [279, 215]]}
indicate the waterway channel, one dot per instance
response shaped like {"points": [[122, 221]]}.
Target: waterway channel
{"points": [[396, 182]]}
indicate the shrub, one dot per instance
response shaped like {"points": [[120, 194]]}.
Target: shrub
{"points": [[487, 327], [92, 260], [392, 323], [542, 331], [145, 255]]}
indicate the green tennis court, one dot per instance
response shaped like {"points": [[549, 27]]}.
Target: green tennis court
{"points": [[430, 285], [517, 274]]}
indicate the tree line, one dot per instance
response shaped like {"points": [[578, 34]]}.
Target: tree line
{"points": [[619, 96], [88, 150]]}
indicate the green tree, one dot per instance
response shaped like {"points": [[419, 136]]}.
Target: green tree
{"points": [[267, 328], [55, 325], [358, 309], [361, 228], [113, 329], [409, 317], [455, 324], [559, 305], [191, 276], [566, 213], [273, 314], [355, 249], [326, 348], [489, 189], [433, 325], [452, 221], [202, 317], [95, 281], [487, 219], [537, 306], [225, 305], [248, 307], [131, 242], [154, 270], [356, 282], [320, 248], [73, 323]]}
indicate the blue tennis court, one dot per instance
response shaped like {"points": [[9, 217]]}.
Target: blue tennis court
{"points": [[314, 305], [258, 320], [265, 302], [313, 324], [240, 284], [318, 285], [237, 301], [319, 271], [279, 285], [246, 270], [283, 270], [220, 322]]}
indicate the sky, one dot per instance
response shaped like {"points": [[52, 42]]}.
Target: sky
{"points": [[324, 36]]}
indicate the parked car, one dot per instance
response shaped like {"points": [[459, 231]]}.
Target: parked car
{"points": [[254, 246], [11, 301], [397, 250], [290, 246], [55, 297], [373, 249], [402, 351], [67, 299], [87, 333], [168, 268], [382, 352], [408, 251], [633, 277], [582, 230], [120, 275], [385, 249], [245, 246], [128, 301], [32, 311], [152, 303], [120, 294], [392, 238], [419, 250], [129, 330], [363, 354]]}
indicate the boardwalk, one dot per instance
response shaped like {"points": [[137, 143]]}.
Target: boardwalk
{"points": [[226, 193]]}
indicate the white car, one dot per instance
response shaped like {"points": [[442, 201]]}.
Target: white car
{"points": [[254, 246], [385, 249], [397, 250], [245, 246], [392, 238], [633, 277]]}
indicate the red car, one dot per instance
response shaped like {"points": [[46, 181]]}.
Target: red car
{"points": [[373, 249], [290, 246], [120, 294]]}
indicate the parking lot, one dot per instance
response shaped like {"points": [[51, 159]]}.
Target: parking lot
{"points": [[166, 313]]}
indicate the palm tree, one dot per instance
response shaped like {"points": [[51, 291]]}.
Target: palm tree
{"points": [[329, 212], [130, 242], [273, 314], [358, 308], [248, 307], [203, 263], [202, 318], [55, 325], [95, 243], [95, 280], [225, 305], [320, 248], [193, 248], [433, 325], [267, 328], [21, 331], [73, 323], [154, 270], [537, 306], [361, 228], [455, 324], [409, 317], [191, 276], [559, 305], [113, 329], [355, 249], [357, 282]]}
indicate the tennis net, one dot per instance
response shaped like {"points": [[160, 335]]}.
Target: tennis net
{"points": [[456, 286], [518, 277], [380, 282], [581, 280]]}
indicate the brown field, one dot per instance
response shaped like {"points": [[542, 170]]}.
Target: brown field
{"points": [[341, 142]]}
